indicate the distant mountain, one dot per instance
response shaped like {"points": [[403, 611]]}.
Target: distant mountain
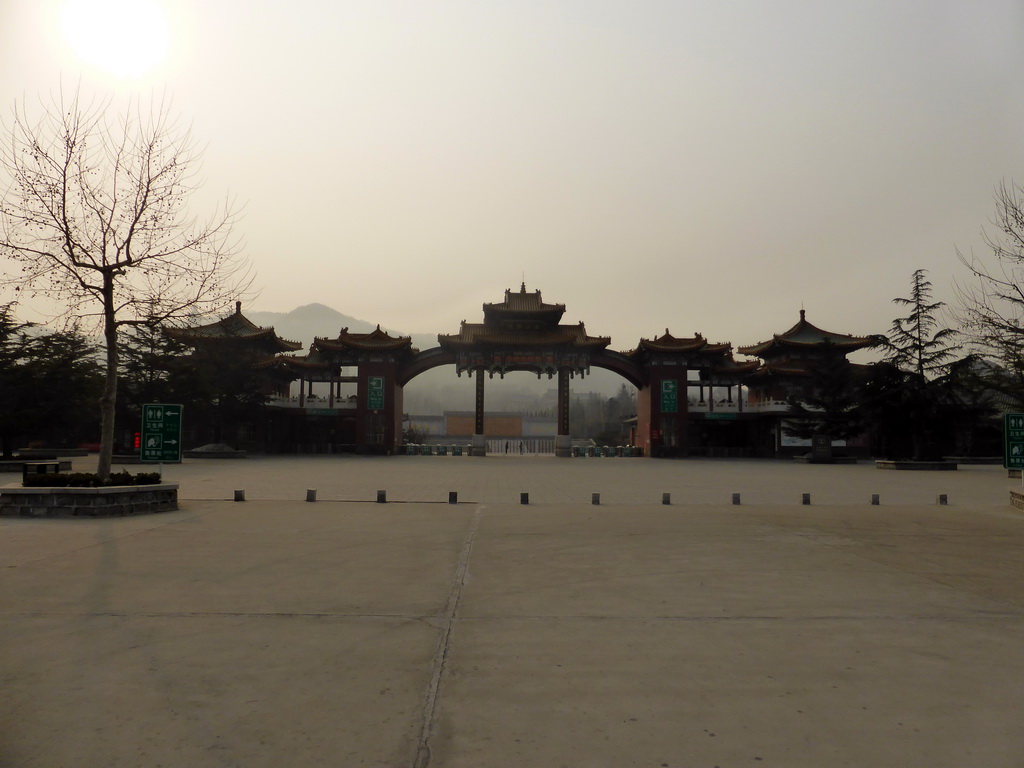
{"points": [[307, 322]]}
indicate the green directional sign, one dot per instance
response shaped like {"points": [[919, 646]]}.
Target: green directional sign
{"points": [[375, 393], [161, 432], [1013, 440], [669, 396]]}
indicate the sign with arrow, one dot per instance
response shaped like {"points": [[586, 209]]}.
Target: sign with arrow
{"points": [[1013, 440], [161, 433]]}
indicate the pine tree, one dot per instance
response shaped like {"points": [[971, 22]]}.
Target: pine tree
{"points": [[920, 349]]}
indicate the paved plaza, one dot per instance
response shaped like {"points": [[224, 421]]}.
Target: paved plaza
{"points": [[492, 634]]}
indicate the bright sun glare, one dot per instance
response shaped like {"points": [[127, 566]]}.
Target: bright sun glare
{"points": [[125, 38]]}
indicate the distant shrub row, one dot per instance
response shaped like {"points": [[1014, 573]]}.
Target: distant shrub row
{"points": [[90, 480]]}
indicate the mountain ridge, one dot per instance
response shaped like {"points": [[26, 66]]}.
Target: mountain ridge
{"points": [[305, 323]]}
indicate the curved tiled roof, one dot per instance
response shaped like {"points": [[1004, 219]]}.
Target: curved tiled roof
{"points": [[234, 327], [804, 335], [523, 306], [667, 343], [471, 334], [376, 340]]}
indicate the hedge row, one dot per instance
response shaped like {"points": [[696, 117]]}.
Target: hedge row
{"points": [[90, 480]]}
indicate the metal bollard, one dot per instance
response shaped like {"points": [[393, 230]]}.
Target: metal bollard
{"points": [[453, 497], [382, 497], [806, 499], [941, 499], [735, 498], [311, 494], [595, 499], [666, 498], [524, 498], [239, 495], [874, 499]]}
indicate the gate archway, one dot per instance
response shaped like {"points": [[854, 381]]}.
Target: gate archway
{"points": [[521, 333]]}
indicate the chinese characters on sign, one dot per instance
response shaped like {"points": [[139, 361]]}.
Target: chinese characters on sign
{"points": [[1013, 440], [161, 432], [669, 396], [375, 393]]}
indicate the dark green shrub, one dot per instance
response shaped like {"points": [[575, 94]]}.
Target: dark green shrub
{"points": [[89, 480]]}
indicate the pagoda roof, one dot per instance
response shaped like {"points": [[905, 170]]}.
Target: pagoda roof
{"points": [[794, 368], [234, 327], [314, 361], [523, 306], [804, 335], [482, 334], [374, 341], [669, 344]]}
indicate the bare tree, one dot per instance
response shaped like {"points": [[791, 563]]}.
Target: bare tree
{"points": [[95, 216], [992, 302]]}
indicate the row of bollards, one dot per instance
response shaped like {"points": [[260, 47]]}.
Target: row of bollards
{"points": [[595, 498]]}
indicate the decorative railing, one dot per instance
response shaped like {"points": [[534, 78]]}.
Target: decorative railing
{"points": [[339, 403], [724, 406]]}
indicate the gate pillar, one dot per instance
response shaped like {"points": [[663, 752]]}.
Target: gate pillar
{"points": [[479, 447], [563, 440]]}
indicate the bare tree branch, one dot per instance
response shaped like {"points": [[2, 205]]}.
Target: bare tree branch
{"points": [[95, 215]]}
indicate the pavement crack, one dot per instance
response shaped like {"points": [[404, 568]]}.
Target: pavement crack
{"points": [[440, 658]]}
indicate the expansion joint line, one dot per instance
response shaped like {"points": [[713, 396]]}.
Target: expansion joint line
{"points": [[441, 652]]}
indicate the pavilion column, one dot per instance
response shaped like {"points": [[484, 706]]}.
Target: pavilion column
{"points": [[563, 441], [302, 392], [479, 447]]}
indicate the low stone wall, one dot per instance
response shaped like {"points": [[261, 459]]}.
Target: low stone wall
{"points": [[115, 501], [926, 466]]}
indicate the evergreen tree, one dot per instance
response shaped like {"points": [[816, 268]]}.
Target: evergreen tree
{"points": [[919, 351], [15, 387], [832, 405], [917, 343]]}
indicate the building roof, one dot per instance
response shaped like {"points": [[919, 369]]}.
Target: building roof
{"points": [[234, 327], [522, 320], [669, 344], [523, 307], [473, 334], [804, 335], [374, 341]]}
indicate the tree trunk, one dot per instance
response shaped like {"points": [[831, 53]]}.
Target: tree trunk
{"points": [[108, 400]]}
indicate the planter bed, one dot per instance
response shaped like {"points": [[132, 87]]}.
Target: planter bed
{"points": [[112, 501], [926, 466]]}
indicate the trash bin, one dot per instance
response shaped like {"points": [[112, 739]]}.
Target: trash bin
{"points": [[627, 451], [442, 450], [38, 468], [425, 449], [590, 450], [456, 450]]}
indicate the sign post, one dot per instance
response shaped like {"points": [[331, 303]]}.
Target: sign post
{"points": [[161, 433], [1013, 442]]}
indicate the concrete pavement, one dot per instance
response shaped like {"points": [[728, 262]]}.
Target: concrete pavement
{"points": [[488, 633]]}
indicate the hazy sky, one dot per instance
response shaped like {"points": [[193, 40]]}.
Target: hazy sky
{"points": [[701, 165]]}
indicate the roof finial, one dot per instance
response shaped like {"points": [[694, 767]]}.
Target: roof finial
{"points": [[801, 313], [522, 287], [238, 307]]}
